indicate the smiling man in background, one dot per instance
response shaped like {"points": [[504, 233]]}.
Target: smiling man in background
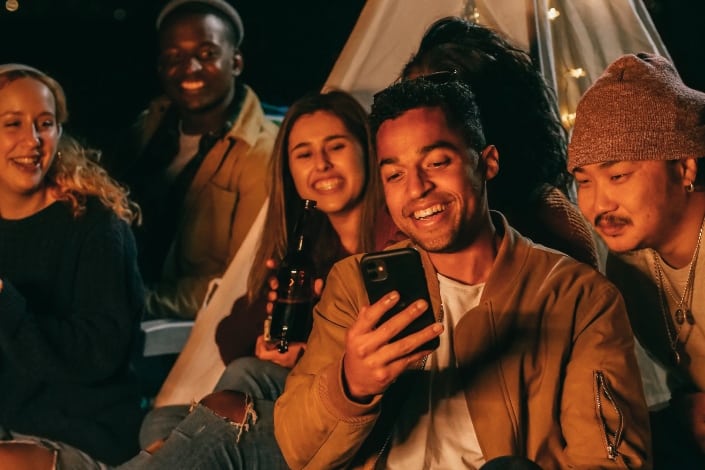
{"points": [[198, 158]]}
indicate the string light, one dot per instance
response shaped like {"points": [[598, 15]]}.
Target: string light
{"points": [[475, 15], [577, 72], [568, 119], [471, 12], [553, 14], [12, 5]]}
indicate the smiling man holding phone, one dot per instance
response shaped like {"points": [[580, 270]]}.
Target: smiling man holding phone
{"points": [[536, 354]]}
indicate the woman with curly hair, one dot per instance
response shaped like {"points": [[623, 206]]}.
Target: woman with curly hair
{"points": [[70, 292]]}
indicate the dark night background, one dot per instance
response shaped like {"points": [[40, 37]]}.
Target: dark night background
{"points": [[103, 51]]}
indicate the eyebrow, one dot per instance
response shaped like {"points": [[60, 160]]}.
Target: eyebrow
{"points": [[425, 150], [328, 138], [19, 113], [601, 166]]}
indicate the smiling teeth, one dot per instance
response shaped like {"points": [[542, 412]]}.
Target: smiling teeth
{"points": [[326, 185], [429, 211], [27, 160], [191, 85]]}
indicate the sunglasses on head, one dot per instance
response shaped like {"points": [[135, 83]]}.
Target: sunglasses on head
{"points": [[443, 76]]}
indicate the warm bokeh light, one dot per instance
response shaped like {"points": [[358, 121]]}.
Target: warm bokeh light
{"points": [[568, 119], [553, 14], [476, 15], [576, 72], [12, 5]]}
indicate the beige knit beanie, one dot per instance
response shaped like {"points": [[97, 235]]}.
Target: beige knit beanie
{"points": [[638, 109], [62, 112]]}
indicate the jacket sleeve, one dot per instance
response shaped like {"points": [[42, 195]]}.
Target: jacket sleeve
{"points": [[315, 424], [179, 299], [604, 417]]}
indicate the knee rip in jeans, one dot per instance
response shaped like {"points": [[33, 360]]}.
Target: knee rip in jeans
{"points": [[235, 407]]}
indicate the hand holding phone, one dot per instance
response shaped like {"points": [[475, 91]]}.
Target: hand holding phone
{"points": [[374, 355], [399, 270]]}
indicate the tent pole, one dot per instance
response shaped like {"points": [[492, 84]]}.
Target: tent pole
{"points": [[542, 40]]}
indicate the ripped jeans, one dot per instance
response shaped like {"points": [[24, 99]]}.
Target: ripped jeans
{"points": [[202, 440], [262, 380], [205, 441]]}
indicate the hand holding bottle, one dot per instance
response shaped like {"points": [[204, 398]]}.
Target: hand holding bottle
{"points": [[318, 284], [291, 317], [268, 352]]}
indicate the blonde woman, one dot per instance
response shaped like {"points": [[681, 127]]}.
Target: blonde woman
{"points": [[70, 292]]}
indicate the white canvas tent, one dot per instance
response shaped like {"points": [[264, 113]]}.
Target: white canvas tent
{"points": [[574, 40]]}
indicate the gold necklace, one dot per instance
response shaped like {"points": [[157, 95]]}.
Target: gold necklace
{"points": [[683, 311]]}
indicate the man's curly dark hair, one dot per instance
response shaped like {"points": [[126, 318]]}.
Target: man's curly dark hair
{"points": [[454, 98]]}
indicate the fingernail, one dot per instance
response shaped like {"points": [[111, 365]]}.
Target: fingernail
{"points": [[437, 327], [392, 297], [421, 305]]}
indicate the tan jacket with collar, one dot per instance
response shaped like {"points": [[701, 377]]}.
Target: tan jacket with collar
{"points": [[548, 357], [225, 196]]}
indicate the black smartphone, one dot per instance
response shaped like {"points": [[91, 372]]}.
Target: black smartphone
{"points": [[400, 270]]}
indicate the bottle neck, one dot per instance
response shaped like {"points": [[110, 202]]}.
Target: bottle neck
{"points": [[300, 243], [299, 239]]}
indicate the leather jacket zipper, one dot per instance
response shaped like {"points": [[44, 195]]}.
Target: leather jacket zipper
{"points": [[612, 439], [381, 451]]}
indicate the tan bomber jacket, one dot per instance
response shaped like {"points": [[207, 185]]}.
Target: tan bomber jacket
{"points": [[548, 357]]}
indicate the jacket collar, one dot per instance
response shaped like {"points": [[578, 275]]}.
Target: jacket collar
{"points": [[242, 123], [246, 126], [511, 259]]}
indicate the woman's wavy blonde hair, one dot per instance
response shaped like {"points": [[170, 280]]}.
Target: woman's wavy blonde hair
{"points": [[74, 173]]}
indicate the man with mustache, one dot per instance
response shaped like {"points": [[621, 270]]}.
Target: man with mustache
{"points": [[197, 164], [636, 155], [536, 354]]}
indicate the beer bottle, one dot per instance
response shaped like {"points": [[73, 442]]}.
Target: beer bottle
{"points": [[291, 317]]}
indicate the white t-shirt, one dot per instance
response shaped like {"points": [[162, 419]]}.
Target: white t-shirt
{"points": [[188, 148], [435, 430]]}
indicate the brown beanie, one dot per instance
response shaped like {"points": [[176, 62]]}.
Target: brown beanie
{"points": [[638, 109]]}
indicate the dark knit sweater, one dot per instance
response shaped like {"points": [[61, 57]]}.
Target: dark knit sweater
{"points": [[69, 312]]}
